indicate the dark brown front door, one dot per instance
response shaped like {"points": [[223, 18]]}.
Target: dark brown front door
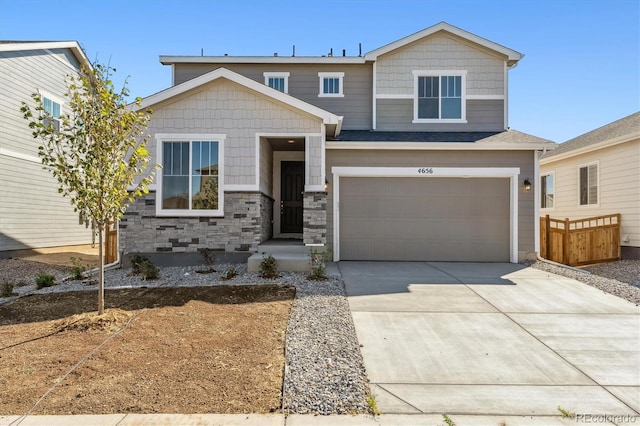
{"points": [[292, 187]]}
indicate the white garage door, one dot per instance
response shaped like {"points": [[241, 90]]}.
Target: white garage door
{"points": [[424, 219]]}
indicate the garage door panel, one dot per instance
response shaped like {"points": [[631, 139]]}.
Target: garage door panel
{"points": [[436, 219]]}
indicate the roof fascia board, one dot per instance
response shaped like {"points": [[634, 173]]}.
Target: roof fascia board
{"points": [[327, 117], [439, 146], [511, 54], [44, 45], [591, 148], [169, 60]]}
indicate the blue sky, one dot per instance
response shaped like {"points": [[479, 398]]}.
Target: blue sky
{"points": [[581, 68]]}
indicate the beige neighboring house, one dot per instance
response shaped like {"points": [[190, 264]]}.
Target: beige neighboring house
{"points": [[597, 174], [33, 215]]}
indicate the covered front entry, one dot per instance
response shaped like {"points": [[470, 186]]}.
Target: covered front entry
{"points": [[441, 218]]}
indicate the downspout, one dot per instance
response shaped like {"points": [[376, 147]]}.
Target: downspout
{"points": [[374, 93]]}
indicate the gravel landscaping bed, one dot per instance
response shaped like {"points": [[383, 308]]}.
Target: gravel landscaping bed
{"points": [[324, 371], [617, 278]]}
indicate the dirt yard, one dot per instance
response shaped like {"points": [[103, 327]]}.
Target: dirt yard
{"points": [[216, 349]]}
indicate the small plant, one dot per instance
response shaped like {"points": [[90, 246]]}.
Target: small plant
{"points": [[448, 420], [149, 271], [269, 267], [6, 290], [209, 258], [566, 414], [373, 405], [77, 270], [136, 263], [45, 280], [231, 273], [318, 268]]}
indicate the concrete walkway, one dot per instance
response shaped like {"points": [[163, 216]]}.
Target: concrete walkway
{"points": [[493, 340]]}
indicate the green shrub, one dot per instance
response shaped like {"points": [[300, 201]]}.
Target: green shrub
{"points": [[136, 263], [6, 290], [318, 268], [149, 271], [77, 270], [230, 274], [45, 280], [268, 267]]}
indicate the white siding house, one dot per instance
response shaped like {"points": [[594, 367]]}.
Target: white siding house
{"points": [[597, 174], [32, 213]]}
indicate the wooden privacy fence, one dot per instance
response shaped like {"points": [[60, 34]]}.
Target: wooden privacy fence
{"points": [[110, 243], [582, 241]]}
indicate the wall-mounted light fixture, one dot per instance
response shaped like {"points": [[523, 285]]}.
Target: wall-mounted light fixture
{"points": [[326, 185], [527, 185]]}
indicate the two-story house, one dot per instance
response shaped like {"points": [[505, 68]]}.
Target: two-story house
{"points": [[403, 153], [33, 215]]}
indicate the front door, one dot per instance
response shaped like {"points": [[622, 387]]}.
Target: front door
{"points": [[292, 188]]}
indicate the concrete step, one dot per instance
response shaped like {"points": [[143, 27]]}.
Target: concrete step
{"points": [[275, 247], [287, 261]]}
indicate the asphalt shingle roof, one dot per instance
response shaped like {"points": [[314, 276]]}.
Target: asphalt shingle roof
{"points": [[507, 136]]}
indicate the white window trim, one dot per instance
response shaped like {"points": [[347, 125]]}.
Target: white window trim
{"points": [[440, 73], [322, 76], [284, 75], [543, 174], [189, 137], [511, 173], [580, 166], [60, 101]]}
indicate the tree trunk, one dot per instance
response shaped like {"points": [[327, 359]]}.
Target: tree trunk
{"points": [[101, 280]]}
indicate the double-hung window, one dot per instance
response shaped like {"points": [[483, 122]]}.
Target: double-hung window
{"points": [[588, 184], [190, 182], [277, 80], [547, 191], [52, 109], [331, 84], [439, 96]]}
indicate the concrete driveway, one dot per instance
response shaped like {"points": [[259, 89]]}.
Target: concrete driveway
{"points": [[492, 339]]}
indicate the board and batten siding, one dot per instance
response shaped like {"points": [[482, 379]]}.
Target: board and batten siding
{"points": [[304, 84], [412, 158], [225, 107], [618, 187], [33, 214]]}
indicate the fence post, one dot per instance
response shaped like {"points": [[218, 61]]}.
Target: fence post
{"points": [[547, 231], [566, 252]]}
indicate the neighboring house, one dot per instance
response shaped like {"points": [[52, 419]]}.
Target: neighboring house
{"points": [[401, 154], [33, 214], [597, 174]]}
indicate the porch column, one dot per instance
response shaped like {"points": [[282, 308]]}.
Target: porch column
{"points": [[314, 218]]}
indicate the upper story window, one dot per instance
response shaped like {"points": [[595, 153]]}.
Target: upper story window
{"points": [[547, 191], [588, 184], [277, 80], [191, 177], [331, 84], [439, 96], [52, 109]]}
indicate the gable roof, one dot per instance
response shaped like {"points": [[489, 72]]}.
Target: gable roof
{"points": [[512, 56], [620, 131], [328, 118], [22, 45]]}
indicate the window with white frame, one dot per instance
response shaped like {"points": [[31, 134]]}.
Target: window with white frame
{"points": [[190, 181], [439, 96], [52, 109], [331, 84], [277, 80], [547, 191], [588, 184]]}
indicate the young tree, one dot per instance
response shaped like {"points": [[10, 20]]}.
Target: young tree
{"points": [[96, 150]]}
